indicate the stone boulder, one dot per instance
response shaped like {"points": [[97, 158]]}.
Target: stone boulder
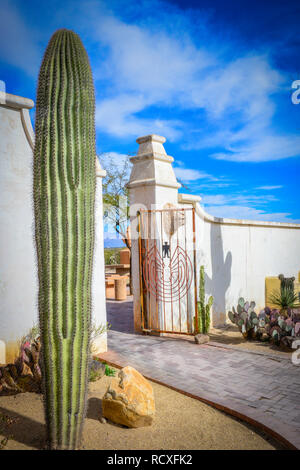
{"points": [[129, 399], [201, 338]]}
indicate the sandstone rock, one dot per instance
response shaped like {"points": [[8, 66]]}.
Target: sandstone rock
{"points": [[129, 399], [200, 338]]}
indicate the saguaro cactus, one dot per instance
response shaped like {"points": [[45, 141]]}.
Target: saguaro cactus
{"points": [[64, 199]]}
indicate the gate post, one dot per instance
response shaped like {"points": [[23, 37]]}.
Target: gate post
{"points": [[99, 318], [152, 185]]}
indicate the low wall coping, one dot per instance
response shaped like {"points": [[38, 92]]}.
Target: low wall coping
{"points": [[192, 199], [17, 102]]}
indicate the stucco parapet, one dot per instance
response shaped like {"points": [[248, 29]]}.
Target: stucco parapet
{"points": [[152, 156], [17, 102], [99, 171], [152, 182], [242, 222], [151, 138], [188, 198]]}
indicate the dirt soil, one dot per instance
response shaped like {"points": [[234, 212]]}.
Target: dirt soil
{"points": [[231, 336], [181, 422]]}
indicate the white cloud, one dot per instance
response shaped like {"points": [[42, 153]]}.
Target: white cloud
{"points": [[111, 159], [149, 61], [268, 188], [153, 65], [249, 213], [262, 148], [149, 66], [244, 206], [116, 116], [145, 68], [188, 175], [243, 85], [237, 199], [18, 44]]}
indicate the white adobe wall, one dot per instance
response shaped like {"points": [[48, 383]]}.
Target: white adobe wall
{"points": [[18, 280], [239, 254]]}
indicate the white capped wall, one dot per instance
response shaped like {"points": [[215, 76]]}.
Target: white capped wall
{"points": [[18, 272], [18, 283], [237, 254]]}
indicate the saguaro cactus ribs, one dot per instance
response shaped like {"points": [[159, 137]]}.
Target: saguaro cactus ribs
{"points": [[64, 199]]}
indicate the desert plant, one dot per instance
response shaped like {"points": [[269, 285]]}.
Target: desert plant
{"points": [[96, 332], [285, 298], [245, 318], [109, 371], [25, 374], [112, 255], [268, 325], [31, 336], [64, 200], [282, 330], [97, 370], [203, 308]]}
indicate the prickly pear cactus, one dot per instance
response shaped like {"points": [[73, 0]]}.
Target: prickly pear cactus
{"points": [[245, 318], [282, 330], [64, 198]]}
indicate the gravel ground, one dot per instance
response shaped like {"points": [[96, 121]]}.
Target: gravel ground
{"points": [[181, 422]]}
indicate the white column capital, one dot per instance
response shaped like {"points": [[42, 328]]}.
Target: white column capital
{"points": [[99, 171], [151, 165]]}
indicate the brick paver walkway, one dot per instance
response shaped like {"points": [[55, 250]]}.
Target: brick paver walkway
{"points": [[264, 388]]}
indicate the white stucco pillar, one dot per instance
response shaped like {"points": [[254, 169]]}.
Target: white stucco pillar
{"points": [[18, 269], [152, 185], [98, 287]]}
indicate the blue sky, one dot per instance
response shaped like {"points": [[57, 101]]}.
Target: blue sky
{"points": [[216, 81]]}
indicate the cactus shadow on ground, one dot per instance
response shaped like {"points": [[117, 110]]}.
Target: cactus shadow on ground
{"points": [[23, 428], [94, 409]]}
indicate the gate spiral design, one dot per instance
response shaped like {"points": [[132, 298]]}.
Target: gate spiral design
{"points": [[167, 279]]}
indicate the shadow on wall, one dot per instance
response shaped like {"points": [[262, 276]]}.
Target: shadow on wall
{"points": [[220, 280]]}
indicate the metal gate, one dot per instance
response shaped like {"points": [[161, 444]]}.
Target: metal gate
{"points": [[167, 260]]}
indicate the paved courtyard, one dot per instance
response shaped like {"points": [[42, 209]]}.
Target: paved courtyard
{"points": [[265, 388]]}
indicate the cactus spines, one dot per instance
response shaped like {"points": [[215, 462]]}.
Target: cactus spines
{"points": [[267, 325], [64, 199], [245, 318], [203, 309]]}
